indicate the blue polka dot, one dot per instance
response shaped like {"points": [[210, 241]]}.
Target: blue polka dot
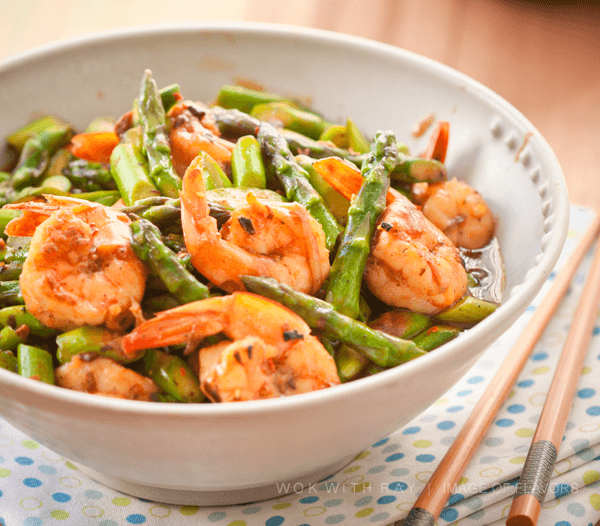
{"points": [[363, 501], [446, 424], [398, 486], [466, 392], [538, 357], [395, 456], [135, 518], [494, 441], [108, 522], [425, 458], [254, 509], [562, 523], [561, 490], [593, 411], [332, 503], [308, 500], [2, 461], [490, 459], [32, 521], [456, 498], [327, 478], [379, 517], [516, 408], [216, 516], [530, 308], [386, 500], [61, 497], [596, 331], [586, 393], [333, 519], [32, 483], [526, 383], [275, 521], [475, 380], [381, 442], [376, 469], [411, 430], [576, 509], [48, 470], [399, 472], [455, 409], [24, 461], [449, 515], [505, 422], [93, 494], [144, 500]]}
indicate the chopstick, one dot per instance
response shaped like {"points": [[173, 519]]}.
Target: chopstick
{"points": [[438, 489], [533, 483]]}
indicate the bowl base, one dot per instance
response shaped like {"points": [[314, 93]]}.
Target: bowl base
{"points": [[213, 498]]}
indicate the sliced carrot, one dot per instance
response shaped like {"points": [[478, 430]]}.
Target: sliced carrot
{"points": [[94, 146], [345, 178], [438, 142]]}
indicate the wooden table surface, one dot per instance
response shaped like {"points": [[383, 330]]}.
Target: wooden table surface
{"points": [[541, 57]]}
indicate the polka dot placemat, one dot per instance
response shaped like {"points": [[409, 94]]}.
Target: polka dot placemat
{"points": [[39, 487]]}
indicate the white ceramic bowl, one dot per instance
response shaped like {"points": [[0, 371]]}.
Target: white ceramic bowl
{"points": [[228, 453]]}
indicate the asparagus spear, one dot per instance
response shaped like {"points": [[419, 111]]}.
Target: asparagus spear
{"points": [[467, 310], [146, 242], [381, 348], [155, 142], [336, 134], [247, 167], [356, 139], [35, 363], [8, 361], [98, 340], [36, 154], [18, 139], [244, 99], [169, 95], [346, 272], [10, 338], [87, 176], [6, 216], [17, 315], [415, 170], [10, 293], [349, 362], [291, 118], [299, 144], [173, 376], [435, 336], [11, 272], [234, 123], [294, 179], [130, 174], [213, 174]]}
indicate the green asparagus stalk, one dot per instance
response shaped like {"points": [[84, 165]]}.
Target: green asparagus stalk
{"points": [[299, 144], [381, 348], [6, 216], [101, 124], [346, 273], [11, 272], [416, 170], [173, 376], [98, 340], [58, 162], [336, 134], [146, 242], [234, 123], [35, 363], [130, 174], [294, 179], [10, 338], [18, 139], [212, 173], [356, 140], [402, 323], [335, 202], [17, 315], [168, 96], [160, 303], [244, 99], [87, 176], [10, 294], [294, 119], [8, 361], [349, 362], [467, 310], [36, 154], [436, 336], [155, 141], [247, 167]]}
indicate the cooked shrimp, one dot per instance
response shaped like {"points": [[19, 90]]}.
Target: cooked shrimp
{"points": [[272, 353], [193, 132], [458, 210], [81, 269], [279, 240], [102, 376], [412, 264]]}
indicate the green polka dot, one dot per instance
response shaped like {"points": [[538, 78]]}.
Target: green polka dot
{"points": [[595, 501], [121, 501], [541, 370], [441, 401], [586, 369], [422, 443], [70, 465], [462, 481], [59, 514], [4, 473], [282, 505], [590, 476], [30, 444], [364, 513], [359, 488], [511, 394], [362, 455], [517, 460], [525, 432], [237, 523], [189, 510], [351, 469]]}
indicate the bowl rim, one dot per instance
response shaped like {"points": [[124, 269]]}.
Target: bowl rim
{"points": [[517, 302]]}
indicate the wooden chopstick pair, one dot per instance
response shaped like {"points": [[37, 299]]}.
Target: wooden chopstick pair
{"points": [[536, 475]]}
